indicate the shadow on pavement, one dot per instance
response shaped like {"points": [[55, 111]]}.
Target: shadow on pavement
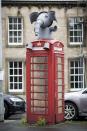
{"points": [[17, 116]]}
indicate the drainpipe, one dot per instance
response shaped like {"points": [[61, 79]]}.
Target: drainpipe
{"points": [[1, 73]]}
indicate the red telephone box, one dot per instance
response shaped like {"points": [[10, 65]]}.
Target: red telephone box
{"points": [[45, 81]]}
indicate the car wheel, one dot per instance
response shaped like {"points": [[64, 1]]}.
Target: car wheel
{"points": [[6, 114], [71, 111]]}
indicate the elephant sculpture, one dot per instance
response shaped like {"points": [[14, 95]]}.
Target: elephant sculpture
{"points": [[43, 22]]}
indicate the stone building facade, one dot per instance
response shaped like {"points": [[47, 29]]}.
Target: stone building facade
{"points": [[18, 31]]}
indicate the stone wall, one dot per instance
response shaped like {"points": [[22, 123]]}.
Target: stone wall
{"points": [[61, 34]]}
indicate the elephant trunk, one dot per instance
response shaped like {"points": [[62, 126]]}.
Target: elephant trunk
{"points": [[38, 26]]}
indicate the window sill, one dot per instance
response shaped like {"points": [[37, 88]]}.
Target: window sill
{"points": [[76, 90], [16, 93], [76, 46], [76, 43], [15, 46]]}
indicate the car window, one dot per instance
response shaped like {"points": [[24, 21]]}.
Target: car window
{"points": [[85, 92]]}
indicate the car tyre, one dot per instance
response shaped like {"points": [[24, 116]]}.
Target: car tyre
{"points": [[6, 113], [71, 111]]}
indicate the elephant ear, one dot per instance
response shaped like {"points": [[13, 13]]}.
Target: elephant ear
{"points": [[33, 16], [52, 15]]}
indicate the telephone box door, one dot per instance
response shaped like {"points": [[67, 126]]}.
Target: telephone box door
{"points": [[38, 86], [59, 87]]}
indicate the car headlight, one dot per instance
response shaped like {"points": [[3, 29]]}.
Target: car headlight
{"points": [[11, 102]]}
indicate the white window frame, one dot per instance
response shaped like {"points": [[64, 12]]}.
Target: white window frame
{"points": [[74, 74], [78, 21], [16, 30], [9, 75]]}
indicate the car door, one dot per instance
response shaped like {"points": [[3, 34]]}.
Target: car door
{"points": [[83, 101]]}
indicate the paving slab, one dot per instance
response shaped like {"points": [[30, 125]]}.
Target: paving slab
{"points": [[17, 125]]}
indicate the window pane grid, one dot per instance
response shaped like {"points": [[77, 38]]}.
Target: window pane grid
{"points": [[76, 30], [39, 84], [15, 76], [76, 74], [15, 30]]}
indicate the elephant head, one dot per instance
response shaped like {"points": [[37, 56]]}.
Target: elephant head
{"points": [[43, 21], [46, 18]]}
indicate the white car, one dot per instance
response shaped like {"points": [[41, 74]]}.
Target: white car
{"points": [[75, 104]]}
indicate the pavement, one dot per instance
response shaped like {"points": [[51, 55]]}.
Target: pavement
{"points": [[14, 123]]}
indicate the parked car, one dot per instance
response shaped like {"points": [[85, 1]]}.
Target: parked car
{"points": [[75, 104], [13, 104]]}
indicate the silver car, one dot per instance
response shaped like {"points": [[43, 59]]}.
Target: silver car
{"points": [[75, 104]]}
